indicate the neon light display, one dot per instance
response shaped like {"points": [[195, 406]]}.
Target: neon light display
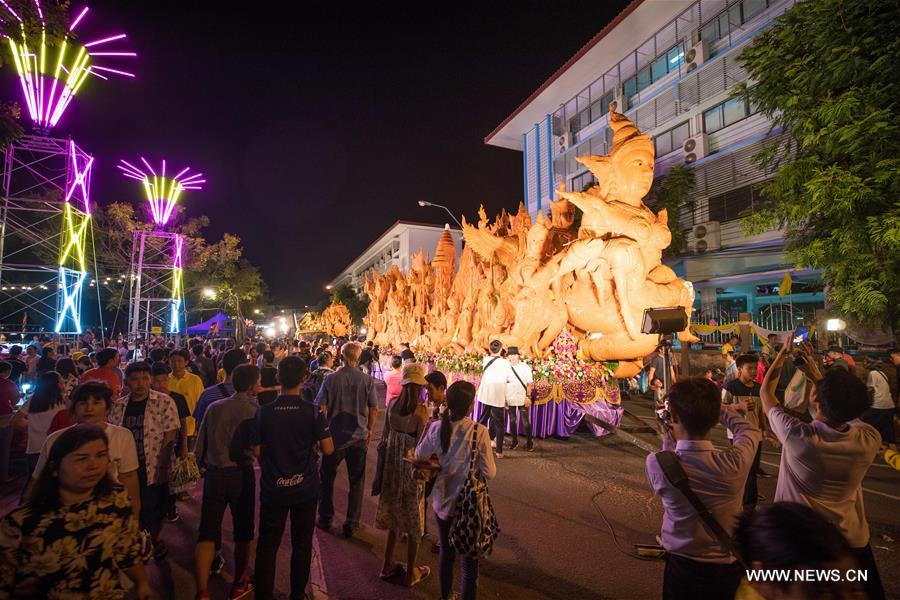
{"points": [[49, 83], [162, 191], [177, 286], [81, 177], [73, 241]]}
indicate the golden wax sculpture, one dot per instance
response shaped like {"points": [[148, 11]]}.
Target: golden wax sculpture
{"points": [[336, 320], [524, 282]]}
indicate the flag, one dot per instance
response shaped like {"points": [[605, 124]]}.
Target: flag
{"points": [[785, 288]]}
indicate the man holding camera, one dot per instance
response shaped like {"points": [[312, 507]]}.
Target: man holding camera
{"points": [[700, 561]]}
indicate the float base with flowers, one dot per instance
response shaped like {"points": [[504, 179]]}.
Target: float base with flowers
{"points": [[566, 388]]}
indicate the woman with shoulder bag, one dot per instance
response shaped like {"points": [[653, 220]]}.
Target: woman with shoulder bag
{"points": [[463, 449]]}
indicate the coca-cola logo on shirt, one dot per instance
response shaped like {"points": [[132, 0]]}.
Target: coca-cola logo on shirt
{"points": [[289, 481]]}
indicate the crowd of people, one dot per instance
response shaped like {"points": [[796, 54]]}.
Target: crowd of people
{"points": [[105, 434], [828, 424], [106, 427]]}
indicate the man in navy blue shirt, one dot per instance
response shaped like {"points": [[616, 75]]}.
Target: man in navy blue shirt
{"points": [[289, 431]]}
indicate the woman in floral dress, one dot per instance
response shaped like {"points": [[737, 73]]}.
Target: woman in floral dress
{"points": [[401, 505], [76, 533]]}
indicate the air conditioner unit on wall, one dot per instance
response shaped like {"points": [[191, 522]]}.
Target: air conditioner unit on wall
{"points": [[694, 148], [563, 141], [696, 56], [706, 237]]}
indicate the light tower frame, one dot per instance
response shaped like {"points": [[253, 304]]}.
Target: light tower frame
{"points": [[46, 237], [156, 293], [156, 298]]}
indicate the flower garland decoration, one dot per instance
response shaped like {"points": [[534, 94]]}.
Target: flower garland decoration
{"points": [[564, 364]]}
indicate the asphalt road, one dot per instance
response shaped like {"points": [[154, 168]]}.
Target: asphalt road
{"points": [[570, 514]]}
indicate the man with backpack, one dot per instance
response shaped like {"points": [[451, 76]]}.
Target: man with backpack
{"points": [[698, 479]]}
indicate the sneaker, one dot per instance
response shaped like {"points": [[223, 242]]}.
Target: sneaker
{"points": [[514, 445], [241, 589], [218, 564], [160, 550], [172, 515], [529, 447]]}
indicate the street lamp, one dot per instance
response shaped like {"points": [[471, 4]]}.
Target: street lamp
{"points": [[328, 287], [423, 203], [209, 293]]}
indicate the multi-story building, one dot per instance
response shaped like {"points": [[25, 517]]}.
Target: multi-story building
{"points": [[671, 66], [396, 246]]}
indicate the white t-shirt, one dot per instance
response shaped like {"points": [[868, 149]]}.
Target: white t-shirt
{"points": [[455, 463], [122, 451], [882, 398], [492, 389], [515, 393], [823, 468], [38, 426]]}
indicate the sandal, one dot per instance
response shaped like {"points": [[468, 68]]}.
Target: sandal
{"points": [[397, 571], [423, 573]]}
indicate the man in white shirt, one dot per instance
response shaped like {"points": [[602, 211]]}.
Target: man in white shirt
{"points": [[90, 404], [492, 394], [519, 385], [823, 463], [881, 415]]}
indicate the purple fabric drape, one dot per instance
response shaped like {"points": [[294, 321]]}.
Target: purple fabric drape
{"points": [[562, 419]]}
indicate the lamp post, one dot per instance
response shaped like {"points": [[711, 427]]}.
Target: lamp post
{"points": [[424, 203]]}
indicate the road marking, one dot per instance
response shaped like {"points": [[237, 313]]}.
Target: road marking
{"points": [[316, 572], [865, 489]]}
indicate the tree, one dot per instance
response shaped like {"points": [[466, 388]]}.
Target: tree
{"points": [[827, 73], [673, 193], [219, 265]]}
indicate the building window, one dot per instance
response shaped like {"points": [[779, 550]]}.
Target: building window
{"points": [[728, 113], [671, 140], [579, 182], [730, 205], [736, 15], [662, 65]]}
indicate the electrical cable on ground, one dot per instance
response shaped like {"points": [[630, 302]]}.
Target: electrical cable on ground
{"points": [[596, 506]]}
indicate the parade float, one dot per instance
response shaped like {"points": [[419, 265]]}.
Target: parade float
{"points": [[335, 321], [571, 298]]}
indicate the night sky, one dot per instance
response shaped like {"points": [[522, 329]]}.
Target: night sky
{"points": [[318, 127]]}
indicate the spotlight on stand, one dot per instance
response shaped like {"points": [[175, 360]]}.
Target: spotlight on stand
{"points": [[666, 322]]}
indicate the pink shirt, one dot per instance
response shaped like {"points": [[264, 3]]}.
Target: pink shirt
{"points": [[823, 468], [392, 379], [717, 477]]}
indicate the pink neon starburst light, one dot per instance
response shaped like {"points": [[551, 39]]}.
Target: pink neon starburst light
{"points": [[162, 190], [49, 83]]}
